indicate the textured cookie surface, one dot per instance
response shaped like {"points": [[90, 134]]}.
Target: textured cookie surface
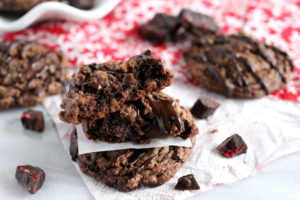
{"points": [[98, 89], [128, 170], [238, 66], [20, 5], [152, 116], [28, 73]]}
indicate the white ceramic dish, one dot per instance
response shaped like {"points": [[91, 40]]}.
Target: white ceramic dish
{"points": [[56, 10]]}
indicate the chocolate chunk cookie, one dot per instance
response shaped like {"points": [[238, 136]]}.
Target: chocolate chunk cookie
{"points": [[152, 116], [20, 5], [238, 66], [82, 4], [29, 72], [128, 170], [99, 89]]}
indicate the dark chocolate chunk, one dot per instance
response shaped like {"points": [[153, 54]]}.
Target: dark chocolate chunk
{"points": [[166, 115], [73, 145], [196, 22], [204, 107], [31, 178], [82, 4], [160, 29], [232, 146], [33, 120], [187, 182]]}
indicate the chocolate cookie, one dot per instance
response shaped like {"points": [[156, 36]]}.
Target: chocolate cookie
{"points": [[29, 72], [99, 89], [128, 170], [238, 66], [152, 116], [20, 5]]}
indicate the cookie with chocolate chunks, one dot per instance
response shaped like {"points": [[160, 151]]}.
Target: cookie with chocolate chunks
{"points": [[204, 107], [31, 178], [154, 115], [29, 72], [99, 89], [33, 120], [232, 146], [187, 182], [238, 66], [130, 169], [20, 5], [82, 4]]}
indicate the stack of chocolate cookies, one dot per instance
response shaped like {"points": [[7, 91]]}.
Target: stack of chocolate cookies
{"points": [[121, 102]]}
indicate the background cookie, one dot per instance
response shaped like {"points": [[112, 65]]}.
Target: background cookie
{"points": [[238, 66], [19, 5], [28, 73]]}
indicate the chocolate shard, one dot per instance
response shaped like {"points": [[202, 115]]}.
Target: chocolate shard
{"points": [[82, 4], [33, 120], [197, 23], [73, 149], [160, 29], [232, 146], [31, 178], [187, 182], [204, 107]]}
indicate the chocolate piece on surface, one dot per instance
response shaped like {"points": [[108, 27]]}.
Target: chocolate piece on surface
{"points": [[197, 23], [204, 107], [232, 146], [187, 182], [31, 178], [160, 29], [33, 120]]}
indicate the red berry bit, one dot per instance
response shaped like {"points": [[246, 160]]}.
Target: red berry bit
{"points": [[31, 178], [33, 120], [232, 146]]}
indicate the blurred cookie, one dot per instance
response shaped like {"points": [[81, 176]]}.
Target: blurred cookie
{"points": [[20, 5], [29, 72], [238, 66]]}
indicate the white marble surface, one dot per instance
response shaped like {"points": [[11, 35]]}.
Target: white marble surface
{"points": [[279, 180]]}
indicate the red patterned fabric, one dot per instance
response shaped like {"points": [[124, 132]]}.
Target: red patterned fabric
{"points": [[115, 36]]}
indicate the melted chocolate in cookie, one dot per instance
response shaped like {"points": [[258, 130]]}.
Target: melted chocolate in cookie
{"points": [[166, 114]]}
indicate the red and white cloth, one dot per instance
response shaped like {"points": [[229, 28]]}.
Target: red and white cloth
{"points": [[270, 135]]}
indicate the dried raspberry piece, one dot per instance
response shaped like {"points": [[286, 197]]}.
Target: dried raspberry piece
{"points": [[33, 120], [31, 178], [232, 146]]}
